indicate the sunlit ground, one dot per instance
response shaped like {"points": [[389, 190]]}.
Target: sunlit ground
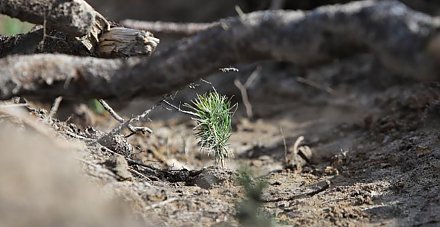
{"points": [[10, 26]]}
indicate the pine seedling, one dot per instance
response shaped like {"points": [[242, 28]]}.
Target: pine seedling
{"points": [[213, 113]]}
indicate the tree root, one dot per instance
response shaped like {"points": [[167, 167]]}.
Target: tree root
{"points": [[401, 38]]}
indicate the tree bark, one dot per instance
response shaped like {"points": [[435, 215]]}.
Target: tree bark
{"points": [[21, 43], [168, 28], [36, 42], [401, 38], [72, 27]]}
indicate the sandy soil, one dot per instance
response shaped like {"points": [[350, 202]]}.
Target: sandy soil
{"points": [[374, 139]]}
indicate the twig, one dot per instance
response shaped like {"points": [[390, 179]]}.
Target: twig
{"points": [[55, 106], [239, 11], [179, 109], [121, 120], [243, 91], [316, 85], [111, 111], [160, 28], [254, 75], [110, 151], [295, 150], [140, 118], [160, 203], [244, 97], [324, 187]]}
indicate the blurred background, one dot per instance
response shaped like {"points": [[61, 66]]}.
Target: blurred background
{"points": [[197, 10]]}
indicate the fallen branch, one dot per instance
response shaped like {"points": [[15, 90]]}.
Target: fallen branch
{"points": [[21, 43], [400, 37], [76, 29], [168, 28]]}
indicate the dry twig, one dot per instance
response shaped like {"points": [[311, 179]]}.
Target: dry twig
{"points": [[76, 26], [121, 120], [243, 91], [295, 151], [54, 108], [108, 137], [168, 28], [314, 84], [317, 188], [245, 98]]}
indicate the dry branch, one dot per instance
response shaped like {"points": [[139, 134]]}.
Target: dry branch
{"points": [[74, 27], [400, 37], [20, 44], [168, 28], [36, 41]]}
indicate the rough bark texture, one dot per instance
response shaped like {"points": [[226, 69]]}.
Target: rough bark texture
{"points": [[126, 42], [32, 42], [399, 36], [74, 17], [20, 44], [72, 27]]}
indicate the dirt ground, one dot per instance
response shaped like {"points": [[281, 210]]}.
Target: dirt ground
{"points": [[374, 140]]}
